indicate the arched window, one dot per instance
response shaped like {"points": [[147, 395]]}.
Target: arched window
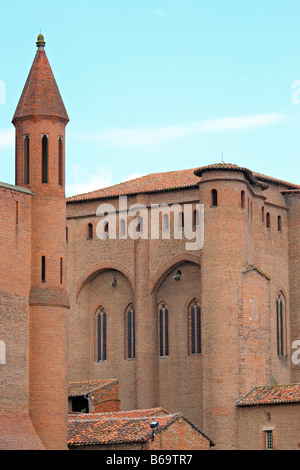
{"points": [[280, 321], [45, 159], [122, 228], [101, 335], [194, 317], [130, 332], [43, 269], [279, 225], [196, 218], [268, 220], [214, 197], [60, 161], [90, 232], [163, 322], [243, 203], [26, 159]]}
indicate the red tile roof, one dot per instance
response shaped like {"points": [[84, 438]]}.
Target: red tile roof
{"points": [[270, 395], [40, 96], [82, 388], [118, 427], [171, 180], [17, 432], [155, 182]]}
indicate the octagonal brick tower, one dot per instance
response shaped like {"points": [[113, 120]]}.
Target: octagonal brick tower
{"points": [[40, 120]]}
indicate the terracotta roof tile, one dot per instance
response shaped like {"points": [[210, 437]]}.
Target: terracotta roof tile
{"points": [[82, 388], [155, 182], [117, 427], [172, 180], [120, 427], [270, 395], [41, 96]]}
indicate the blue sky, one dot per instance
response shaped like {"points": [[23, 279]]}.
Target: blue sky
{"points": [[160, 85]]}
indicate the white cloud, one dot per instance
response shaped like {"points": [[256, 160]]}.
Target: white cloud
{"points": [[133, 176], [156, 135], [7, 138], [83, 181]]}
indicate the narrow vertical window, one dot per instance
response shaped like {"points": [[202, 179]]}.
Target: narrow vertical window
{"points": [[60, 161], [43, 269], [194, 328], [268, 220], [139, 227], [165, 222], [181, 220], [214, 197], [263, 214], [17, 212], [280, 320], [243, 199], [61, 266], [122, 228], [90, 232], [163, 331], [196, 218], [67, 234], [26, 159], [279, 226], [45, 159], [101, 334], [130, 330]]}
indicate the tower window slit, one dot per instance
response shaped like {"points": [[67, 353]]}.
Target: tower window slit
{"points": [[43, 269], [45, 159], [26, 159], [60, 161], [61, 270]]}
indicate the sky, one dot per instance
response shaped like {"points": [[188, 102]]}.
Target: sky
{"points": [[160, 85]]}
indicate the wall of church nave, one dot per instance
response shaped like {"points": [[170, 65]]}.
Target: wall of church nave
{"points": [[179, 342], [98, 334]]}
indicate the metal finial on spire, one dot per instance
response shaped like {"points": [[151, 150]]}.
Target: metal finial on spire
{"points": [[40, 41]]}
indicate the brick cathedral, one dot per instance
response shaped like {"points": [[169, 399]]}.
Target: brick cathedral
{"points": [[210, 332]]}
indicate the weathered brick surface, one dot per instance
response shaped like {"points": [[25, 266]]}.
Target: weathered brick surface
{"points": [[236, 277]]}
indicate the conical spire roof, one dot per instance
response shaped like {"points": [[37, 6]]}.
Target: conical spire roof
{"points": [[41, 96]]}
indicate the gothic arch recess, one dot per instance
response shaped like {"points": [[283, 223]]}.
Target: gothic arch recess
{"points": [[96, 269], [171, 265]]}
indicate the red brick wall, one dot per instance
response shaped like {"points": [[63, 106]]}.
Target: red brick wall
{"points": [[282, 419], [48, 381], [15, 253], [206, 388]]}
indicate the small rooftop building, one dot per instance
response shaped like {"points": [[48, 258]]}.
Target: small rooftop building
{"points": [[152, 429], [269, 418]]}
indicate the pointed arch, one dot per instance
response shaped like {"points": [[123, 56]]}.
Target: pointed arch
{"points": [[101, 334], [96, 269], [163, 329], [168, 267], [130, 332], [194, 327]]}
